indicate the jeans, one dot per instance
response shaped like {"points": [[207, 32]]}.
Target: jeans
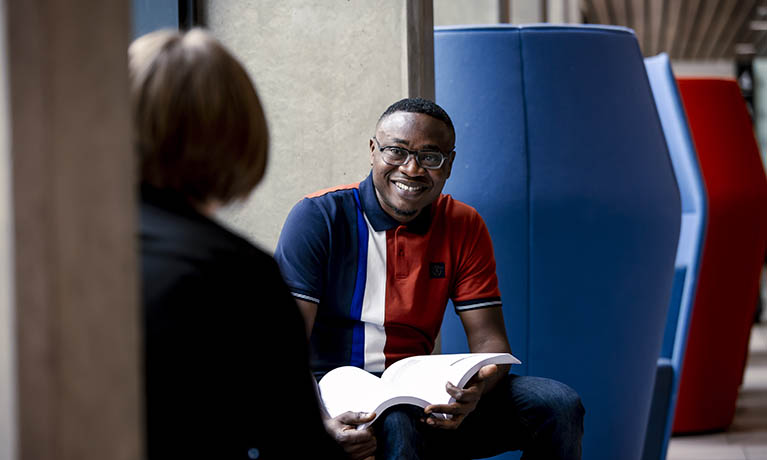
{"points": [[541, 417]]}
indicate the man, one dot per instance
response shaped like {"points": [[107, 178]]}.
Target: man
{"points": [[372, 266]]}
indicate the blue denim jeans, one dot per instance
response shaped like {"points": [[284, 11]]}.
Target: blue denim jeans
{"points": [[541, 417]]}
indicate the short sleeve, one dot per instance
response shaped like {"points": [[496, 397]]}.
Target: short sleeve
{"points": [[476, 283], [302, 250]]}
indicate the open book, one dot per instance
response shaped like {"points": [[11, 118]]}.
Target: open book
{"points": [[418, 380]]}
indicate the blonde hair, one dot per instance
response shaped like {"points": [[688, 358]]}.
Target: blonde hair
{"points": [[199, 128]]}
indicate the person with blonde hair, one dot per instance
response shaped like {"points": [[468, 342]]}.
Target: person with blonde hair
{"points": [[226, 362]]}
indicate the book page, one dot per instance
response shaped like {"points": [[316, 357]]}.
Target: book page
{"points": [[349, 388], [426, 376]]}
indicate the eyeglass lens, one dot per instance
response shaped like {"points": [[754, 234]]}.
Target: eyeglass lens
{"points": [[398, 156]]}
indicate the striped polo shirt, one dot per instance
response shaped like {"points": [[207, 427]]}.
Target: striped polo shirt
{"points": [[382, 286]]}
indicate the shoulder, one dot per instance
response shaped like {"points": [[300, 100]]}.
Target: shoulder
{"points": [[175, 244], [348, 188], [322, 210], [168, 229], [457, 213]]}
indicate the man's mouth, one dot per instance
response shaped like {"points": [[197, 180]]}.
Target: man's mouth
{"points": [[411, 188]]}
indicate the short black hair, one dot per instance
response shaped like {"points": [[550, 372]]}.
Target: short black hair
{"points": [[420, 105]]}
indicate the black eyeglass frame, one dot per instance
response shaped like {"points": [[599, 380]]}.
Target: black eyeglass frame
{"points": [[411, 153]]}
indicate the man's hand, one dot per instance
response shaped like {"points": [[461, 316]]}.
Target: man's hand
{"points": [[358, 444], [466, 400]]}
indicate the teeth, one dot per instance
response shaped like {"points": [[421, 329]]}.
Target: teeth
{"points": [[407, 188]]}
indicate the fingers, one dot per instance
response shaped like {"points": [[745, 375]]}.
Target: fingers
{"points": [[448, 424], [356, 418], [468, 394], [466, 400], [358, 444], [360, 448], [451, 409]]}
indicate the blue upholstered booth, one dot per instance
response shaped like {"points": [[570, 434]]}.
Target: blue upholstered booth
{"points": [[688, 256], [560, 149]]}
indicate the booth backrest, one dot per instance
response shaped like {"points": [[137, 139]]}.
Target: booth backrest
{"points": [[560, 149], [694, 207], [693, 195], [733, 253]]}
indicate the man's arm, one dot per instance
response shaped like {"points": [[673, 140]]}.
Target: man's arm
{"points": [[358, 444], [486, 333], [309, 313]]}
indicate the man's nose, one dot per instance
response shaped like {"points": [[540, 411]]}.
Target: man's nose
{"points": [[411, 167]]}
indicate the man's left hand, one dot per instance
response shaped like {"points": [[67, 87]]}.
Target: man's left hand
{"points": [[466, 400]]}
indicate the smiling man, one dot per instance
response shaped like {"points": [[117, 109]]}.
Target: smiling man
{"points": [[372, 266]]}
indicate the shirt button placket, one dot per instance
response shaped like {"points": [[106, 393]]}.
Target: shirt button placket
{"points": [[401, 269]]}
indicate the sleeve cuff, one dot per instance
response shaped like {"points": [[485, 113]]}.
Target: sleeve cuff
{"points": [[474, 304], [301, 296]]}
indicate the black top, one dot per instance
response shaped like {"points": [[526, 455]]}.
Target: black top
{"points": [[226, 363]]}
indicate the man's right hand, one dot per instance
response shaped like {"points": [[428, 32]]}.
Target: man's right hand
{"points": [[358, 444]]}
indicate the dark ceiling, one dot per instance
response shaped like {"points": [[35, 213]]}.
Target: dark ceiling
{"points": [[688, 29]]}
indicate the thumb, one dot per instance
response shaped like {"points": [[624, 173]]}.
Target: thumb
{"points": [[356, 418], [486, 372]]}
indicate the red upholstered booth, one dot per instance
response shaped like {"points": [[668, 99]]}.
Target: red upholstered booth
{"points": [[733, 253]]}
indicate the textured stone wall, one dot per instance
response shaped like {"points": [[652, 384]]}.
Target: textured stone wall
{"points": [[325, 70]]}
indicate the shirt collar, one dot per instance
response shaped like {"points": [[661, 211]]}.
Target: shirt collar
{"points": [[380, 220]]}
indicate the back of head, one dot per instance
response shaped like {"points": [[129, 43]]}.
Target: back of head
{"points": [[199, 129]]}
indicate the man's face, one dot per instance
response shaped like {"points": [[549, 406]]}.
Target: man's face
{"points": [[403, 191]]}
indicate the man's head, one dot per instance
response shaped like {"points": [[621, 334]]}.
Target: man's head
{"points": [[199, 128], [417, 125]]}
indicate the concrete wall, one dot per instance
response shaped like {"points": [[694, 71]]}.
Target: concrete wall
{"points": [[455, 12], [325, 70], [462, 12], [8, 426], [526, 11]]}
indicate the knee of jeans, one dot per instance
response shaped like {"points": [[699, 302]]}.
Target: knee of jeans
{"points": [[567, 403], [556, 400], [399, 417]]}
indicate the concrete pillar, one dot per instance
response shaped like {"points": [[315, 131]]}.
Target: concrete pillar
{"points": [[325, 70], [74, 215], [8, 417], [760, 106]]}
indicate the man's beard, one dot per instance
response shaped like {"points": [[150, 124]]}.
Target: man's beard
{"points": [[398, 211]]}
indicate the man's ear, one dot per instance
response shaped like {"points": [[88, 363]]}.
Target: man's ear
{"points": [[372, 151], [450, 163]]}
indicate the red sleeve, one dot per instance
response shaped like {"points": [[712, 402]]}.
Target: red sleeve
{"points": [[476, 283]]}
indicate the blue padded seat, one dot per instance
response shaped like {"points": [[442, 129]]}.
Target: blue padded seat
{"points": [[560, 149], [688, 256]]}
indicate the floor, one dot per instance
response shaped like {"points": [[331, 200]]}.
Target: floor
{"points": [[746, 439]]}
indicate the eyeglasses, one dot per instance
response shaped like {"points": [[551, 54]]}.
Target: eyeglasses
{"points": [[398, 156]]}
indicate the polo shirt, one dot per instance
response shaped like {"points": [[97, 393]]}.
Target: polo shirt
{"points": [[382, 286]]}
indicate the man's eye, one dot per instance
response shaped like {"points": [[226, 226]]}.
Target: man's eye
{"points": [[395, 152]]}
